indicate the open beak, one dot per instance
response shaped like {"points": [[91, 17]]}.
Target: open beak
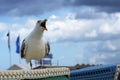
{"points": [[45, 28], [43, 24]]}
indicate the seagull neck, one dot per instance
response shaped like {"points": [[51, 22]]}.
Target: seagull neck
{"points": [[38, 33]]}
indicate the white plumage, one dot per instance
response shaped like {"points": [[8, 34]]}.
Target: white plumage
{"points": [[35, 47]]}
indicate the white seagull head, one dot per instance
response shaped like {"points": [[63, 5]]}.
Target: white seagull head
{"points": [[42, 24]]}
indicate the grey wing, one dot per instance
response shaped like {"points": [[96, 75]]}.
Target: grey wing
{"points": [[47, 49], [23, 49]]}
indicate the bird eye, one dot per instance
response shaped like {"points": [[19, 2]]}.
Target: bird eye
{"points": [[38, 22]]}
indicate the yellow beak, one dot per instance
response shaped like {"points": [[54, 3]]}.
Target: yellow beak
{"points": [[45, 28]]}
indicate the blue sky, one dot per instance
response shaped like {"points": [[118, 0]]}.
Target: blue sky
{"points": [[79, 31]]}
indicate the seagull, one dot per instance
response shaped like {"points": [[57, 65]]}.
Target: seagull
{"points": [[34, 46]]}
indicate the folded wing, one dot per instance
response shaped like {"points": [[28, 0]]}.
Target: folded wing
{"points": [[23, 48], [47, 48]]}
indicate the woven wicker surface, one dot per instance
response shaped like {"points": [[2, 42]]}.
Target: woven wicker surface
{"points": [[34, 74]]}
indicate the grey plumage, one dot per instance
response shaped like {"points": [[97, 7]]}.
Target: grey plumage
{"points": [[23, 49], [47, 49]]}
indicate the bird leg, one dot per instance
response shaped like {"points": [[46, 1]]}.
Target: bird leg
{"points": [[31, 64]]}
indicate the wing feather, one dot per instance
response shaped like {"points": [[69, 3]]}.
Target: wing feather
{"points": [[23, 49], [47, 49]]}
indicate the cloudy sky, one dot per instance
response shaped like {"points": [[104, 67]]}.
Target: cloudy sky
{"points": [[79, 31]]}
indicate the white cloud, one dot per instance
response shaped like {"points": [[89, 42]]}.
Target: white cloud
{"points": [[72, 29], [103, 52], [19, 29], [111, 58], [111, 26], [91, 34], [111, 46], [3, 26], [97, 59], [105, 28], [67, 28], [52, 17]]}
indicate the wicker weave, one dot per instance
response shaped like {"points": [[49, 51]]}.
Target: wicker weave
{"points": [[42, 74]]}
